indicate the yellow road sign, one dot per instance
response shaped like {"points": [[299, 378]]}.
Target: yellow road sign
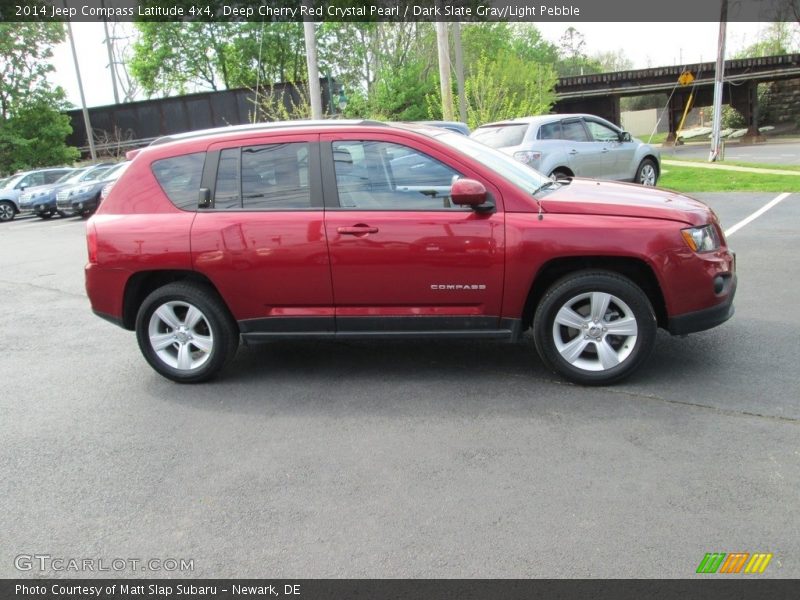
{"points": [[686, 78]]}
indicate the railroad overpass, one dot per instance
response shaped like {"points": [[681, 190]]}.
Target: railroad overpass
{"points": [[600, 94], [135, 124]]}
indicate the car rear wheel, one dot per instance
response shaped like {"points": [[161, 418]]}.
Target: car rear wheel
{"points": [[7, 211], [594, 327], [185, 332], [561, 175], [647, 173]]}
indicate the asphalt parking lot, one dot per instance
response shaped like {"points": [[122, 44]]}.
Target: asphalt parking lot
{"points": [[399, 459]]}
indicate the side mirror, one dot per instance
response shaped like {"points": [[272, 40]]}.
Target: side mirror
{"points": [[468, 192], [625, 137]]}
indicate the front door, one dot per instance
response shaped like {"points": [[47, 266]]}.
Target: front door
{"points": [[404, 259]]}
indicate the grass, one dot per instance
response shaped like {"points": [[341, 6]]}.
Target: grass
{"points": [[658, 138], [734, 163], [687, 179]]}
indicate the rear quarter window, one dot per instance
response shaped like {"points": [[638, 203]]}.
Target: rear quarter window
{"points": [[501, 136], [179, 177]]}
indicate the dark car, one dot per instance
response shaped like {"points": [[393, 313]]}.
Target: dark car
{"points": [[86, 181], [323, 230], [85, 197]]}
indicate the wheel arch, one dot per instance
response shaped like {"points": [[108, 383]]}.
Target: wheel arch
{"points": [[635, 269], [142, 284]]}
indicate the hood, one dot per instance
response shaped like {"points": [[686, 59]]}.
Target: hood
{"points": [[591, 197]]}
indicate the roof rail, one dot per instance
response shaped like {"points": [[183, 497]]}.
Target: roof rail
{"points": [[262, 126]]}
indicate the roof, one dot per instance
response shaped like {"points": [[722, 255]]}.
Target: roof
{"points": [[538, 119], [255, 127]]}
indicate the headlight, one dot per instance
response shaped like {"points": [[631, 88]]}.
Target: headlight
{"points": [[528, 157], [81, 190], [701, 239]]}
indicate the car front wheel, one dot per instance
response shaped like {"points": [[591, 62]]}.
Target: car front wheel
{"points": [[185, 332], [647, 173], [594, 327], [7, 211]]}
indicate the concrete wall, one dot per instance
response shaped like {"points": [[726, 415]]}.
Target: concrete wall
{"points": [[785, 109], [642, 122]]}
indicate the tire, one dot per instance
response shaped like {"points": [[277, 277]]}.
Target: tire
{"points": [[44, 216], [573, 326], [61, 214], [171, 323], [561, 175], [7, 211], [647, 173]]}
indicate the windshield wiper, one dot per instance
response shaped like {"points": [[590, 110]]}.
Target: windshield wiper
{"points": [[544, 186]]}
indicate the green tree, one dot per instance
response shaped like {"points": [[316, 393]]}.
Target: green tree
{"points": [[179, 57], [32, 129], [572, 55], [504, 87]]}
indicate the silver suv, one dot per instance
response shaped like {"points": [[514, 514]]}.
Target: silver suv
{"points": [[575, 145]]}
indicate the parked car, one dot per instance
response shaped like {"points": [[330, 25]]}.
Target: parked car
{"points": [[15, 185], [86, 182], [305, 230], [576, 145], [41, 199], [456, 126], [83, 199]]}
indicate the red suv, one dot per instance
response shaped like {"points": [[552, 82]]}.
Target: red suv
{"points": [[347, 230]]}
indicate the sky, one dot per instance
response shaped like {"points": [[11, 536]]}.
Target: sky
{"points": [[647, 44]]}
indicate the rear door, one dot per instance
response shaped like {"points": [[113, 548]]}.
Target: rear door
{"points": [[404, 259], [261, 240]]}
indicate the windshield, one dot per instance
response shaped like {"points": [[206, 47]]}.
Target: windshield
{"points": [[114, 172], [74, 177], [501, 136], [94, 174], [514, 171], [11, 182], [66, 176]]}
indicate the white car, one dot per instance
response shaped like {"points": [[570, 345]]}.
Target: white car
{"points": [[574, 145]]}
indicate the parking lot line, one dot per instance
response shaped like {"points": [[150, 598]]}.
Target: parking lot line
{"points": [[70, 223], [749, 219]]}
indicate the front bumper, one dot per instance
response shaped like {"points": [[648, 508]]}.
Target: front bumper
{"points": [[706, 318]]}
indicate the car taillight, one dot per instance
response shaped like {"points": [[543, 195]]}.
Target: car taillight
{"points": [[91, 242]]}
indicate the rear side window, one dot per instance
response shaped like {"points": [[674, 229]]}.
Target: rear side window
{"points": [[180, 177], [550, 131], [269, 177], [53, 176], [574, 131], [501, 136]]}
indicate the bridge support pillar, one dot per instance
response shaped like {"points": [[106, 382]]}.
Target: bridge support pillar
{"points": [[677, 104], [744, 98]]}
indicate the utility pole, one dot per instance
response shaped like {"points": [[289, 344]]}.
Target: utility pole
{"points": [[86, 121], [459, 52], [444, 71], [313, 70], [111, 63], [719, 73]]}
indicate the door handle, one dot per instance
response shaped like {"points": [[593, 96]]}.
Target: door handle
{"points": [[357, 230], [605, 150], [573, 151]]}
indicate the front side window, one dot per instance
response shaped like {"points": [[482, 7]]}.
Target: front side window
{"points": [[602, 133], [385, 176]]}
